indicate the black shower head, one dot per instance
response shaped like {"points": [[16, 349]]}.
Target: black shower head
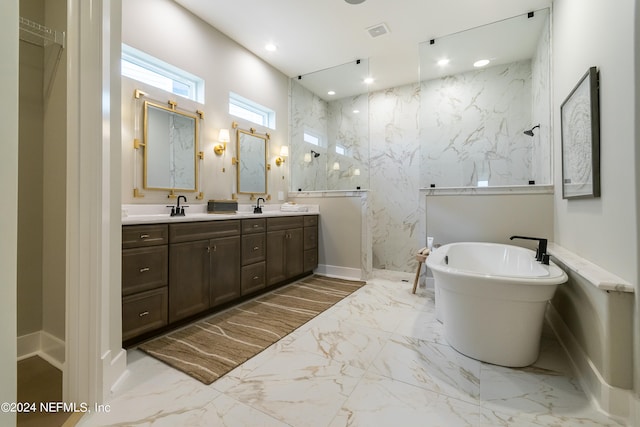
{"points": [[530, 131], [315, 153]]}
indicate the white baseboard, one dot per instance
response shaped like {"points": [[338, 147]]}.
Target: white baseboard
{"points": [[338, 272], [44, 345], [614, 401]]}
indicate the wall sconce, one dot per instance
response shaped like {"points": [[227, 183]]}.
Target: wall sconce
{"points": [[336, 166], [307, 157], [356, 172], [284, 152], [223, 136]]}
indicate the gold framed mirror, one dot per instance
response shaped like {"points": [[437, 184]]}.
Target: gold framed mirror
{"points": [[252, 149], [170, 148]]}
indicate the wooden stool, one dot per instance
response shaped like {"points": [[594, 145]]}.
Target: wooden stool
{"points": [[420, 259]]}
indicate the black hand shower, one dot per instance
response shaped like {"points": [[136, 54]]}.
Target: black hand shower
{"points": [[530, 131]]}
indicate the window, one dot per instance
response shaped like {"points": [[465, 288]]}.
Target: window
{"points": [[341, 150], [252, 111], [311, 139], [147, 69]]}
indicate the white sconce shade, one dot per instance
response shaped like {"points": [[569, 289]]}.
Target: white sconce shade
{"points": [[307, 157], [223, 136], [336, 166], [284, 152], [356, 172]]}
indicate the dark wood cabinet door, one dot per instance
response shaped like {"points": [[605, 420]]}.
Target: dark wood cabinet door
{"points": [[294, 254], [225, 269], [276, 257], [188, 279]]}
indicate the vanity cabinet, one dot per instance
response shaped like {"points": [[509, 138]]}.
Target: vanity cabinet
{"points": [[285, 239], [225, 269], [188, 279], [204, 261], [176, 271], [144, 279]]}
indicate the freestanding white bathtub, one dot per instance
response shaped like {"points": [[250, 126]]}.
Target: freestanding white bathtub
{"points": [[492, 299]]}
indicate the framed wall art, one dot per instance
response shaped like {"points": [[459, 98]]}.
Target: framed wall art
{"points": [[580, 127]]}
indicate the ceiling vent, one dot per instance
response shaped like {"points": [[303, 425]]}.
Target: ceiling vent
{"points": [[378, 30]]}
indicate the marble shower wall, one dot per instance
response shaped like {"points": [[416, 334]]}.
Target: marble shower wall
{"points": [[308, 114], [398, 220], [348, 129], [471, 127], [408, 124], [343, 123]]}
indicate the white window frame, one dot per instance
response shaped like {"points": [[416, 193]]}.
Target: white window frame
{"points": [[150, 70], [312, 138], [249, 110]]}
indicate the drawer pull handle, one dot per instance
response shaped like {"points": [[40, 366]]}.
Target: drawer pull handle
{"points": [[144, 313], [256, 277], [144, 236], [255, 248], [255, 225], [144, 269]]}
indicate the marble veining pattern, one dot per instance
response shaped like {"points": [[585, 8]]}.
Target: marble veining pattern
{"points": [[471, 127], [377, 358]]}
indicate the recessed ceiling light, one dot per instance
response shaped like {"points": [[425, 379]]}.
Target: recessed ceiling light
{"points": [[271, 47], [481, 63], [354, 1], [443, 62], [368, 80], [331, 92]]}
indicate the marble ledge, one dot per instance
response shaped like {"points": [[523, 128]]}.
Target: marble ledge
{"points": [[328, 193], [483, 191], [159, 214], [597, 276]]}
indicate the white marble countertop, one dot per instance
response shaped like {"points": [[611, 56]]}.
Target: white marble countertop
{"points": [[597, 276], [158, 214]]}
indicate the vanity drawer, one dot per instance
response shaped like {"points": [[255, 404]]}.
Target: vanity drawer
{"points": [[311, 220], [284, 223], [192, 231], [144, 269], [144, 312], [135, 236], [254, 225], [253, 248], [253, 278]]}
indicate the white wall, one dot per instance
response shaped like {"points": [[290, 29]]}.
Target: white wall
{"points": [[481, 218], [592, 33], [9, 220], [603, 230], [174, 35]]}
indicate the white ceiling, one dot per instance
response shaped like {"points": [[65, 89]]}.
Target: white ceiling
{"points": [[313, 35]]}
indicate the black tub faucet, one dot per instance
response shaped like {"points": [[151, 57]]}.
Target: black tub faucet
{"points": [[541, 252], [258, 209]]}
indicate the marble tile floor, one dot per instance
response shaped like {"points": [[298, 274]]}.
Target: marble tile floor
{"points": [[377, 358]]}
